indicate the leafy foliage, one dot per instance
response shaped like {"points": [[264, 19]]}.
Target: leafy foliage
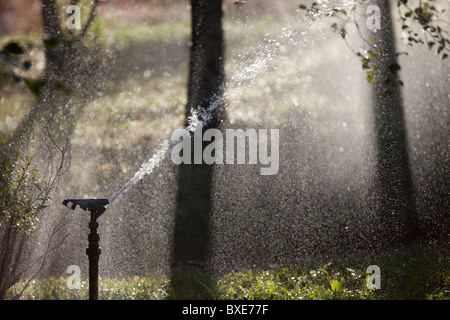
{"points": [[22, 199], [425, 15], [296, 283], [21, 195]]}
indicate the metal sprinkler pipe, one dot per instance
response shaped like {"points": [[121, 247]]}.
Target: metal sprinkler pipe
{"points": [[96, 207]]}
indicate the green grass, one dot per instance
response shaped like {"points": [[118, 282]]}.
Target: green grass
{"points": [[172, 32], [143, 33], [292, 283], [129, 288], [400, 279], [423, 277]]}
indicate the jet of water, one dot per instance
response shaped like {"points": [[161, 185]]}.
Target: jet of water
{"points": [[204, 115], [250, 72], [146, 168]]}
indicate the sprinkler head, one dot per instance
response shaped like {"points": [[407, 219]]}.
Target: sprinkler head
{"points": [[96, 206]]}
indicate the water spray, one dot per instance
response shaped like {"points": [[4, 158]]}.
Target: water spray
{"points": [[96, 207], [249, 73]]}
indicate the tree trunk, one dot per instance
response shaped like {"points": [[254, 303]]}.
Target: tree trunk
{"points": [[397, 207], [205, 84], [50, 19], [393, 168], [206, 69]]}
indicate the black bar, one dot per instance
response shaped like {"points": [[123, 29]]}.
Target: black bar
{"points": [[274, 310]]}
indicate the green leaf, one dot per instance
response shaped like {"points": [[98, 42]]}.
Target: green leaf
{"points": [[373, 54], [369, 76], [365, 63], [271, 287], [394, 67], [336, 286]]}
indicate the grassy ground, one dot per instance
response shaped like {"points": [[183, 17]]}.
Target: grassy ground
{"points": [[342, 280]]}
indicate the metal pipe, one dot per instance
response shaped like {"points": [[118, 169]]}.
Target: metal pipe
{"points": [[93, 251], [96, 207]]}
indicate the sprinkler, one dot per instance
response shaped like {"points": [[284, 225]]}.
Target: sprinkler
{"points": [[96, 207]]}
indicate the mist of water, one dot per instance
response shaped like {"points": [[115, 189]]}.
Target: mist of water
{"points": [[249, 73], [146, 168]]}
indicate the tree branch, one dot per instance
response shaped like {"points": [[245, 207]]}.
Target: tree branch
{"points": [[89, 21], [50, 18]]}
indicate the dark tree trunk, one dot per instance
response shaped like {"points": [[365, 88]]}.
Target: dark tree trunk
{"points": [[50, 19], [191, 242], [393, 168], [70, 78], [206, 69], [397, 207]]}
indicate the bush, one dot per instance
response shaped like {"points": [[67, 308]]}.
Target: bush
{"points": [[21, 200]]}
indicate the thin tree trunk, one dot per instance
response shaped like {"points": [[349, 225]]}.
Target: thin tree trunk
{"points": [[50, 18]]}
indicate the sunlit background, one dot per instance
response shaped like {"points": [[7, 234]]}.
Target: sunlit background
{"points": [[283, 72]]}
